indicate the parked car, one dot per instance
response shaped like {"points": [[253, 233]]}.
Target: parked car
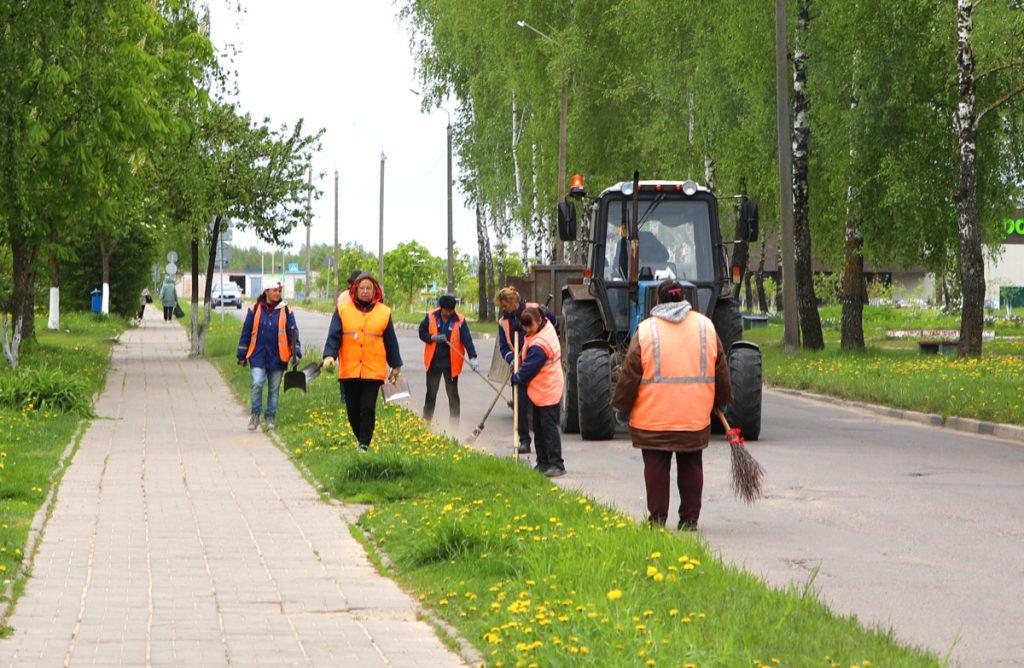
{"points": [[228, 295]]}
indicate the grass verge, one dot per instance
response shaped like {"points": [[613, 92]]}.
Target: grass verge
{"points": [[892, 372], [42, 405], [535, 575]]}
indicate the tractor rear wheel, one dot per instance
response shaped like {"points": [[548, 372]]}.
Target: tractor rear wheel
{"points": [[596, 418], [582, 324], [745, 373], [728, 322]]}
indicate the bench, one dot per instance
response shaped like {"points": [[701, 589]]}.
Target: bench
{"points": [[938, 347], [752, 321]]}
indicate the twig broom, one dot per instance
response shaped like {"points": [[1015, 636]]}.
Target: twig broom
{"points": [[747, 474]]}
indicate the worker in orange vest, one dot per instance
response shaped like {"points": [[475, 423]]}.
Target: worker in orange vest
{"points": [[264, 346], [511, 306], [448, 343], [541, 373], [674, 373], [363, 343]]}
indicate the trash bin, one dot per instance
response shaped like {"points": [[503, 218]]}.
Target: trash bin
{"points": [[97, 300]]}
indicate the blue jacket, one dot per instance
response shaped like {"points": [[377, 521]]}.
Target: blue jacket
{"points": [[442, 357], [504, 345], [266, 356]]}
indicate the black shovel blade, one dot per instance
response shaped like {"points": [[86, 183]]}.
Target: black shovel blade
{"points": [[294, 379]]}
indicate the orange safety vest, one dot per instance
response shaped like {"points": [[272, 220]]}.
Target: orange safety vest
{"points": [[283, 350], [545, 389], [503, 322], [677, 389], [362, 353], [457, 350]]}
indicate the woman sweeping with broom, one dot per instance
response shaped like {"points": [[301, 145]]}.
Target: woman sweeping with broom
{"points": [[674, 373]]}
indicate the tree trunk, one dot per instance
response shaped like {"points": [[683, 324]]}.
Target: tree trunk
{"points": [[779, 278], [853, 288], [53, 321], [483, 311], [965, 197], [199, 328], [105, 253], [762, 298], [810, 322], [23, 272]]}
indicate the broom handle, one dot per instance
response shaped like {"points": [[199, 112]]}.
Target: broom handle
{"points": [[515, 401], [493, 404], [479, 373], [721, 416]]}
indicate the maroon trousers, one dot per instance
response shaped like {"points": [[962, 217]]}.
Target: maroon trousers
{"points": [[690, 478]]}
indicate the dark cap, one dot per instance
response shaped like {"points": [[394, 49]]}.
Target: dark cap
{"points": [[446, 302]]}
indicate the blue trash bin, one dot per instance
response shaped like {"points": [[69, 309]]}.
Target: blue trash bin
{"points": [[97, 300]]}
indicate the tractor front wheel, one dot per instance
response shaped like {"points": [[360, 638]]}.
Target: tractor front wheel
{"points": [[582, 324], [596, 418], [745, 373]]}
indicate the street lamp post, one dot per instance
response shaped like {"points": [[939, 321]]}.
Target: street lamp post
{"points": [[791, 325], [380, 243], [334, 270], [563, 136], [451, 235]]}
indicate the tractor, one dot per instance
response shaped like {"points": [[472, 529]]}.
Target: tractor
{"points": [[643, 232]]}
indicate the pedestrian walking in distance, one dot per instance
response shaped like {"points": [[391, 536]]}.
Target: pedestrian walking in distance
{"points": [[512, 306], [168, 297], [144, 298], [675, 372], [448, 342], [363, 343], [265, 346], [541, 373]]}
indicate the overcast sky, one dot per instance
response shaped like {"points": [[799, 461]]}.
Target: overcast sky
{"points": [[346, 67]]}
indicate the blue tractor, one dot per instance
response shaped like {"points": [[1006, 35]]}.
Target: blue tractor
{"points": [[642, 232]]}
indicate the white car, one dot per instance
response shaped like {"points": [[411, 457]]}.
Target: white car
{"points": [[229, 295]]}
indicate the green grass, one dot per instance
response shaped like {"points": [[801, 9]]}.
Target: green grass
{"points": [[892, 372], [535, 575], [34, 433]]}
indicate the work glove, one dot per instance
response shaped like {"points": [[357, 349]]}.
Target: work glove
{"points": [[395, 374], [438, 338], [243, 362], [509, 357], [515, 380], [474, 365], [328, 362]]}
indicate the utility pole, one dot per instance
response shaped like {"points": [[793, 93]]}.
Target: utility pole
{"points": [[334, 268], [563, 142], [451, 234], [791, 332], [380, 242], [309, 228]]}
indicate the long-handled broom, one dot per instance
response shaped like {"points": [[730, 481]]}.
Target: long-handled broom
{"points": [[498, 395], [747, 474]]}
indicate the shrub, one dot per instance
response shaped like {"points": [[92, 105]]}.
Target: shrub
{"points": [[44, 388]]}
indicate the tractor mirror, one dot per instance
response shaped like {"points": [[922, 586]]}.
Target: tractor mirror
{"points": [[567, 221], [749, 222]]}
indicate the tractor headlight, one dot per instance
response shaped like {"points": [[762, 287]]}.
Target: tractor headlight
{"points": [[627, 188], [689, 188]]}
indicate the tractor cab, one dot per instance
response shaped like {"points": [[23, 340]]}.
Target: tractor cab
{"points": [[641, 233]]}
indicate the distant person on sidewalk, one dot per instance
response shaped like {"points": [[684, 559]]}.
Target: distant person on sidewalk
{"points": [[144, 298], [266, 347], [448, 342], [541, 373], [168, 297], [363, 343], [512, 307], [674, 373]]}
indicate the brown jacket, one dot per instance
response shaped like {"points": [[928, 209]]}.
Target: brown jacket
{"points": [[674, 441]]}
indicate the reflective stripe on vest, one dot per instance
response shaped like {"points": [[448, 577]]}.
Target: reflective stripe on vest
{"points": [[362, 353], [676, 392], [503, 322], [456, 349], [284, 351], [545, 389]]}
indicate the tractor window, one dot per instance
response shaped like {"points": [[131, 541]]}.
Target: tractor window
{"points": [[675, 240]]}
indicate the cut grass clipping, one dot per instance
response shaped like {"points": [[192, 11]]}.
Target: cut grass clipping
{"points": [[532, 574]]}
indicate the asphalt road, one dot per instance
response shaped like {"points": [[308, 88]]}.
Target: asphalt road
{"points": [[913, 528]]}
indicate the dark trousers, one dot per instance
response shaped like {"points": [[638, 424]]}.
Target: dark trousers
{"points": [[548, 440], [360, 397], [142, 310], [168, 312], [524, 415], [451, 387], [690, 479]]}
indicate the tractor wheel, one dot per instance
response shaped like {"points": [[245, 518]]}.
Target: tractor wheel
{"points": [[745, 373], [596, 418], [582, 323], [728, 322]]}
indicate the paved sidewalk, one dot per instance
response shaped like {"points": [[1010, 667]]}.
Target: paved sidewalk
{"points": [[181, 539]]}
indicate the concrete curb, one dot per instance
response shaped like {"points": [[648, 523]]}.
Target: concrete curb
{"points": [[1008, 432]]}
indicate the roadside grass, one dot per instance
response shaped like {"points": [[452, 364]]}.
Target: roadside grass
{"points": [[42, 405], [892, 372], [535, 575]]}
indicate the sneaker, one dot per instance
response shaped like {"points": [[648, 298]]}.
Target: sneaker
{"points": [[254, 422], [524, 447], [554, 471], [270, 423], [687, 525], [363, 447]]}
